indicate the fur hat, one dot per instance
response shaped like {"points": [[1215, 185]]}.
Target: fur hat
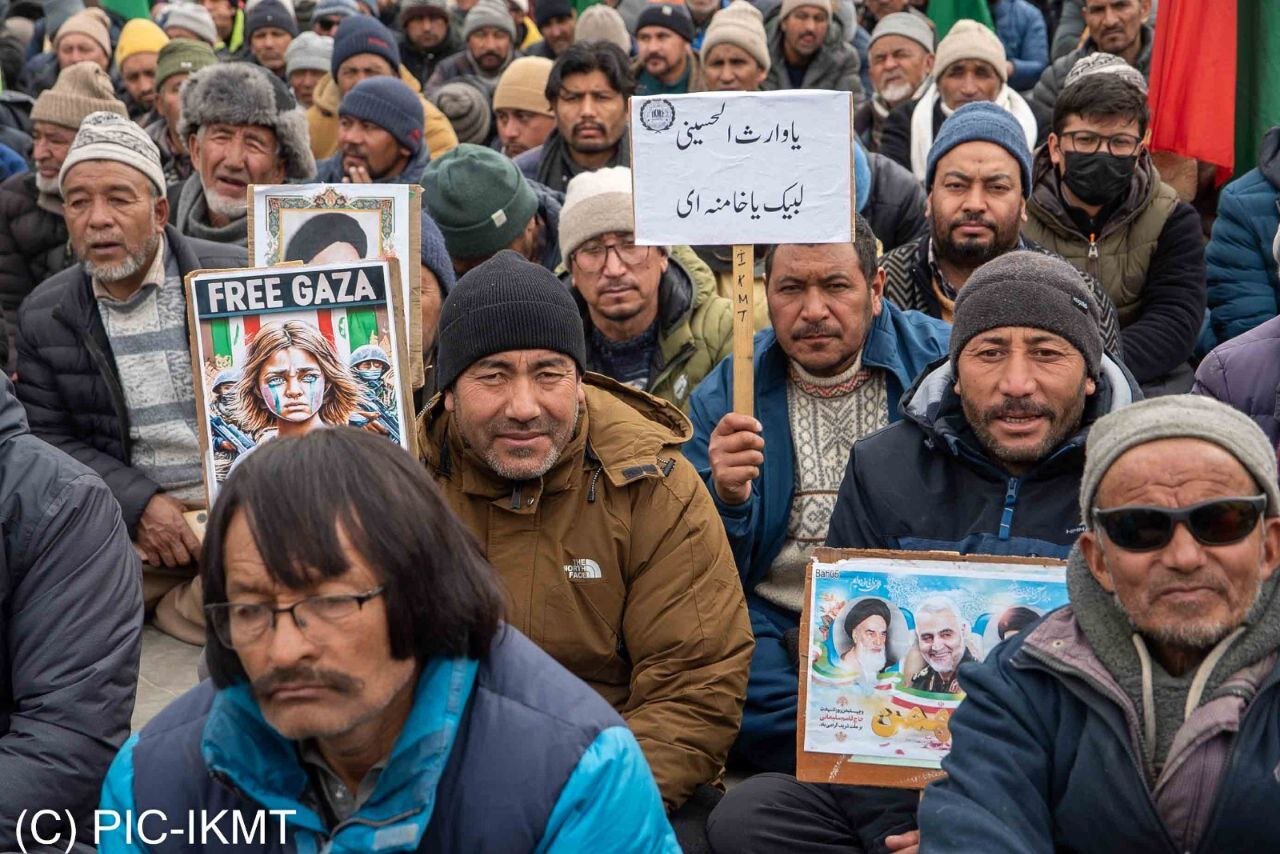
{"points": [[238, 93]]}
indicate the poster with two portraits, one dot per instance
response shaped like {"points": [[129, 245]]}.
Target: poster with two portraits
{"points": [[317, 332], [883, 635]]}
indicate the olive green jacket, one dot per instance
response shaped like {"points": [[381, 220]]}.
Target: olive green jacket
{"points": [[695, 328]]}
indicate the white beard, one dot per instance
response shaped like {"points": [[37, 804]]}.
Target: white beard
{"points": [[897, 92], [223, 206], [48, 186], [870, 663]]}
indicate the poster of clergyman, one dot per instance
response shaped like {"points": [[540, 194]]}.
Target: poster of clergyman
{"points": [[282, 351], [887, 636], [323, 223]]}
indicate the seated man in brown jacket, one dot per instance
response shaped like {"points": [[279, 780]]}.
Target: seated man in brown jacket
{"points": [[612, 553]]}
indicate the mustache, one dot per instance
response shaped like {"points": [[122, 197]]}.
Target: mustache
{"points": [[301, 675], [490, 54], [588, 125], [816, 330], [976, 218], [1017, 407]]}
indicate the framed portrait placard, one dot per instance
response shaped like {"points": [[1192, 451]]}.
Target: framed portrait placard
{"points": [[325, 223], [281, 351], [883, 635]]}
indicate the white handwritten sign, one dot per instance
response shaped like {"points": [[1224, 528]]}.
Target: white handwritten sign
{"points": [[721, 168]]}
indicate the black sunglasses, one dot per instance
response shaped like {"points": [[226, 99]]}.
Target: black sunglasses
{"points": [[1216, 522]]}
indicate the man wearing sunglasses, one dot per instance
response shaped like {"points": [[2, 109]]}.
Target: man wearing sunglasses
{"points": [[1098, 201], [651, 322], [365, 690], [1141, 716]]}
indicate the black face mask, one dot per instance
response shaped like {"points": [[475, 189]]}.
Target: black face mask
{"points": [[1098, 178]]}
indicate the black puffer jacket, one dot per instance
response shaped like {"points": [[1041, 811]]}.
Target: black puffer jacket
{"points": [[70, 623], [67, 377], [33, 246]]}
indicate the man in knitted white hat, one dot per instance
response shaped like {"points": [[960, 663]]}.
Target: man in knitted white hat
{"points": [[900, 58], [735, 50], [305, 62], [1149, 703], [650, 323], [810, 50], [104, 365], [970, 66], [33, 234]]}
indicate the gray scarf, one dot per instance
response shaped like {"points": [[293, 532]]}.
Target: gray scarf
{"points": [[1114, 641], [193, 217]]}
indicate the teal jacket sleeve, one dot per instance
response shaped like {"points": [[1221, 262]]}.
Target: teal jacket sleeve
{"points": [[610, 803], [117, 798]]}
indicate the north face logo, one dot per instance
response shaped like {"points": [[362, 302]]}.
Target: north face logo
{"points": [[581, 569]]}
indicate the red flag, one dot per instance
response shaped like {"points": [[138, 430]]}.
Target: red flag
{"points": [[1193, 82]]}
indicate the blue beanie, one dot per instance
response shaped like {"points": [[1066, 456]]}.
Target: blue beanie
{"points": [[391, 105], [435, 255], [861, 175], [981, 121], [363, 34]]}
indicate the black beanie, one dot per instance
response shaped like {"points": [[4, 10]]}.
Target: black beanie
{"points": [[546, 10], [673, 16], [322, 231], [1034, 289], [869, 607], [506, 303]]}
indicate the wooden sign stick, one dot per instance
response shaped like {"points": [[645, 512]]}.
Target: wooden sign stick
{"points": [[744, 314]]}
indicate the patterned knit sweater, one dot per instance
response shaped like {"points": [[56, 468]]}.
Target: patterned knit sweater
{"points": [[827, 415]]}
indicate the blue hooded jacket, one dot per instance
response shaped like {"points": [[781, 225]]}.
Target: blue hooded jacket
{"points": [[511, 753], [901, 343]]}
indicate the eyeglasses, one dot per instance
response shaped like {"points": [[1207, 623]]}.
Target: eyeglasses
{"points": [[592, 257], [1087, 142], [1217, 522], [239, 625], [328, 23]]}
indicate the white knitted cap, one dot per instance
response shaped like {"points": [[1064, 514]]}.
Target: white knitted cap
{"points": [[595, 203], [108, 136]]}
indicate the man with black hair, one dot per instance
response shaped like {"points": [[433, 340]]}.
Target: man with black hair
{"points": [[364, 686], [607, 543], [588, 90], [1098, 201], [326, 238]]}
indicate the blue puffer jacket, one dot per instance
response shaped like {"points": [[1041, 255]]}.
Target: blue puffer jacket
{"points": [[900, 343], [509, 754], [1021, 29], [1240, 268], [926, 484]]}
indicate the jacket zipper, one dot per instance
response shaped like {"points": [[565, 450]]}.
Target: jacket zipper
{"points": [[113, 387], [1010, 499], [1094, 265], [1136, 765]]}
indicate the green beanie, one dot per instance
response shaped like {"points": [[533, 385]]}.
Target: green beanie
{"points": [[480, 200], [182, 56]]}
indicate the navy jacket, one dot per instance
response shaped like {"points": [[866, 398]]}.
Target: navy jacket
{"points": [[925, 483], [1240, 268], [901, 343], [511, 753], [1043, 762]]}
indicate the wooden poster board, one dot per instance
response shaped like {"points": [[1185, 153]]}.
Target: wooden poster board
{"points": [[821, 767]]}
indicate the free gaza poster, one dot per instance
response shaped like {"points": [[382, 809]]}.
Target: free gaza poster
{"points": [[281, 351]]}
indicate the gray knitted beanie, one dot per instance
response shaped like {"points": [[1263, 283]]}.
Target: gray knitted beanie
{"points": [[1027, 288], [1178, 416]]}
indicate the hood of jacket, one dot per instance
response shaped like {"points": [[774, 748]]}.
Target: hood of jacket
{"points": [[621, 431], [1269, 157], [933, 405], [1049, 206]]}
